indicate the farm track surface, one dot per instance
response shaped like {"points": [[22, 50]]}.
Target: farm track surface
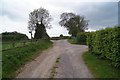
{"points": [[70, 64]]}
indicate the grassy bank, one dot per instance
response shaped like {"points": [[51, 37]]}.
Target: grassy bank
{"points": [[9, 44], [100, 68], [15, 58]]}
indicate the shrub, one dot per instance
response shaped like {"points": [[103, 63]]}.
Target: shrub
{"points": [[106, 43], [89, 41], [81, 38], [61, 36], [13, 36]]}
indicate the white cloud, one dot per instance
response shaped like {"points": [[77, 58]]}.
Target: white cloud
{"points": [[16, 13], [10, 26]]}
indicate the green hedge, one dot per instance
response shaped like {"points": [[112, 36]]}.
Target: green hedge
{"points": [[81, 38], [13, 36], [106, 43]]}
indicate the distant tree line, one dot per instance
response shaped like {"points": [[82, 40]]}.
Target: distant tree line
{"points": [[60, 37], [13, 36]]}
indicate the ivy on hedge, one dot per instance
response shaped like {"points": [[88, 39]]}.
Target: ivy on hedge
{"points": [[106, 43]]}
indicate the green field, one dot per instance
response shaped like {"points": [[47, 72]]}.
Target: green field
{"points": [[16, 57], [100, 68]]}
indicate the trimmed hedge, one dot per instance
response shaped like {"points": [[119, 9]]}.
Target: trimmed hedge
{"points": [[106, 43]]}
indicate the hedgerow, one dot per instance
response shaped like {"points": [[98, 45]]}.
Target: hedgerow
{"points": [[13, 36], [106, 43], [81, 38]]}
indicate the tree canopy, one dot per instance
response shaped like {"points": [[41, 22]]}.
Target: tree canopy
{"points": [[39, 20], [74, 23]]}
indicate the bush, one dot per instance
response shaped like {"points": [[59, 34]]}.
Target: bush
{"points": [[106, 43], [81, 38], [13, 36], [61, 36], [89, 41]]}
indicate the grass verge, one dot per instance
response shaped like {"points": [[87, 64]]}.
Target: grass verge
{"points": [[15, 58], [72, 41], [9, 45], [100, 68]]}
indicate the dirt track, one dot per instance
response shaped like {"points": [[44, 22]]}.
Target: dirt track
{"points": [[71, 64]]}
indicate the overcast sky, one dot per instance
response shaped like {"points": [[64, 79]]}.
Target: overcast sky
{"points": [[100, 13]]}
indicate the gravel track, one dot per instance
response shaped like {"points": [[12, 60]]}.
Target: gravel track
{"points": [[71, 64]]}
